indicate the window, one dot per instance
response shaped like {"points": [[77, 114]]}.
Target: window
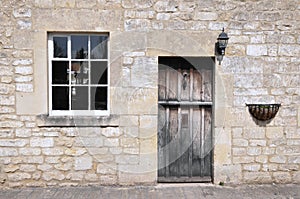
{"points": [[78, 74]]}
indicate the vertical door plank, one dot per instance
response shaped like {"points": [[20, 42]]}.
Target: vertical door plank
{"points": [[191, 118], [196, 142], [185, 142], [173, 142], [161, 141], [207, 142], [207, 85], [173, 84], [162, 84], [185, 85], [202, 165], [197, 88], [167, 140]]}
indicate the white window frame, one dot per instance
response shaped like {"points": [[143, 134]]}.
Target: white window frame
{"points": [[69, 59]]}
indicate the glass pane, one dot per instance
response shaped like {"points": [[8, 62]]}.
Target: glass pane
{"points": [[99, 47], [60, 98], [79, 47], [79, 74], [98, 72], [60, 72], [60, 47], [79, 98], [98, 98]]}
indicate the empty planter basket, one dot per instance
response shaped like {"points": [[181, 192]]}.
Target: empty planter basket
{"points": [[263, 112]]}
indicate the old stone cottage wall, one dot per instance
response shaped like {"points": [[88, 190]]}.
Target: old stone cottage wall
{"points": [[261, 65]]}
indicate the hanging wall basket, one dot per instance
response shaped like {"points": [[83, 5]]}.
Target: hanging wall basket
{"points": [[263, 112]]}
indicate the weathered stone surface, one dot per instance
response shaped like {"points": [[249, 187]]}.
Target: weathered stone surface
{"points": [[83, 163], [41, 142]]}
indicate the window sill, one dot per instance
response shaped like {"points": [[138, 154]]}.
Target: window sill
{"points": [[77, 121]]}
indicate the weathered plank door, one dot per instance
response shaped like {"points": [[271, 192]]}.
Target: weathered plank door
{"points": [[185, 119]]}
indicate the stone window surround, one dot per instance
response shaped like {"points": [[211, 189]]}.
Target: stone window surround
{"points": [[72, 112], [36, 102]]}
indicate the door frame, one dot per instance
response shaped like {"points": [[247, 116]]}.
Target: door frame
{"points": [[212, 105]]}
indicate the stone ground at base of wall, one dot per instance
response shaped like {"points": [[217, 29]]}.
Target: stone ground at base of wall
{"points": [[291, 191]]}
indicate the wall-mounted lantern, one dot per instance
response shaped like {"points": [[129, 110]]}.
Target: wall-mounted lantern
{"points": [[221, 45]]}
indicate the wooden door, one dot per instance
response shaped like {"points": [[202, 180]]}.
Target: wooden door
{"points": [[185, 119]]}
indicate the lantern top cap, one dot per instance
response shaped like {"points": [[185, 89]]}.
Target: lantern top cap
{"points": [[223, 36]]}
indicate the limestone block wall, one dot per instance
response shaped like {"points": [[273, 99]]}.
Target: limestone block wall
{"points": [[261, 65]]}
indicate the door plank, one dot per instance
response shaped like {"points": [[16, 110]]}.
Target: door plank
{"points": [[197, 88], [162, 84], [161, 141], [173, 142], [207, 84], [172, 84], [196, 142]]}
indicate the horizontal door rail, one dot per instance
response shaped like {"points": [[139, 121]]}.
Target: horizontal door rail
{"points": [[184, 103]]}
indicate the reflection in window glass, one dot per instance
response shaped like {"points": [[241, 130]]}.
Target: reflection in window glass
{"points": [[60, 47], [79, 47], [98, 72], [80, 72], [79, 98], [60, 72], [98, 98], [60, 98], [99, 47]]}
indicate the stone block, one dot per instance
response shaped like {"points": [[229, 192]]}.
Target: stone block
{"points": [[251, 167], [108, 179], [83, 163], [227, 173], [75, 151], [6, 89], [8, 152], [129, 120], [27, 88], [107, 169], [125, 178], [111, 132], [18, 176], [252, 151], [127, 159], [148, 126], [64, 167], [282, 177], [239, 151], [289, 50], [111, 142], [254, 133], [22, 12], [257, 177], [24, 70], [7, 100], [52, 151], [53, 175], [45, 167], [206, 16], [294, 159], [30, 151], [257, 143], [137, 25], [278, 159], [257, 50], [13, 143], [27, 168], [165, 6], [242, 160], [240, 142], [296, 177], [11, 168], [261, 159], [41, 142]]}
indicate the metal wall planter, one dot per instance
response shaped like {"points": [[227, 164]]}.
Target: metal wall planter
{"points": [[263, 112]]}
